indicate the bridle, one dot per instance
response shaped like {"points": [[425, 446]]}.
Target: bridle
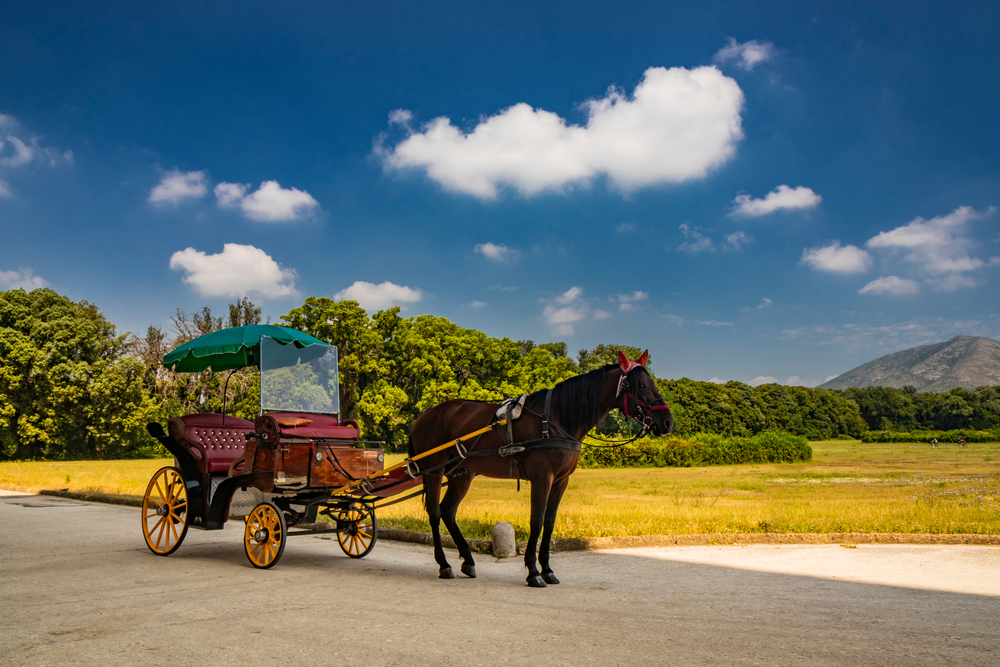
{"points": [[644, 410]]}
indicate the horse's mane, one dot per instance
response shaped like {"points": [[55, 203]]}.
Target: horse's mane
{"points": [[576, 401]]}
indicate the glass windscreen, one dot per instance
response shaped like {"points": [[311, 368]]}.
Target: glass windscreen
{"points": [[294, 379]]}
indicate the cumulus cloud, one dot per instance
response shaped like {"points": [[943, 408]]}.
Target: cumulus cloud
{"points": [[746, 55], [601, 314], [379, 297], [478, 304], [763, 379], [18, 149], [570, 295], [891, 285], [21, 279], [937, 248], [796, 381], [5, 192], [764, 303], [717, 381], [626, 302], [270, 203], [496, 252], [625, 228], [836, 259], [694, 240], [737, 240], [562, 319], [714, 323], [780, 198], [239, 270], [177, 185], [677, 125]]}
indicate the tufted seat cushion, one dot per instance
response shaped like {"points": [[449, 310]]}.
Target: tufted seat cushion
{"points": [[223, 442]]}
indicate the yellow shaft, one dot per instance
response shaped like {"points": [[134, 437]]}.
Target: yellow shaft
{"points": [[344, 490]]}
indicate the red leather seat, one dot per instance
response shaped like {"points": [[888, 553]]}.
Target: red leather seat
{"points": [[223, 439], [320, 426]]}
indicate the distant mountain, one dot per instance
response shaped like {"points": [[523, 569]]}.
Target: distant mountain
{"points": [[964, 361]]}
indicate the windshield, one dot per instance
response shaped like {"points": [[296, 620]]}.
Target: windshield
{"points": [[294, 379]]}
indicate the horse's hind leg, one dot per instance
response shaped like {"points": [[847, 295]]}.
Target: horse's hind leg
{"points": [[551, 508], [457, 488], [432, 501], [539, 498]]}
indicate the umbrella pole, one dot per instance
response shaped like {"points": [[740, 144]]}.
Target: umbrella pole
{"points": [[225, 387]]}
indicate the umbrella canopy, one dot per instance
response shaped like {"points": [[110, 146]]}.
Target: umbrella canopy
{"points": [[236, 347]]}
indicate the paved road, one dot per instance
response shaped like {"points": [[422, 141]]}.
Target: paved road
{"points": [[78, 587]]}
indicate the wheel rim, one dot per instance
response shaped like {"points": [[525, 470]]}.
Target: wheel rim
{"points": [[164, 512], [264, 537], [358, 537]]}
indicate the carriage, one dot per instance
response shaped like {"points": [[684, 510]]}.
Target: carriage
{"points": [[297, 462]]}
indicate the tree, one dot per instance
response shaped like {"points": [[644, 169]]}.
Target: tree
{"points": [[65, 389]]}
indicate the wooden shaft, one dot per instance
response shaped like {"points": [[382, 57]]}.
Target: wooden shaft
{"points": [[348, 488]]}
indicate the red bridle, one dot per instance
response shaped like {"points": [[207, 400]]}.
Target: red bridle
{"points": [[628, 366]]}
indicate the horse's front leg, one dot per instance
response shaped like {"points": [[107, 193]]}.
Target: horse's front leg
{"points": [[551, 508], [539, 497], [432, 501], [458, 486]]}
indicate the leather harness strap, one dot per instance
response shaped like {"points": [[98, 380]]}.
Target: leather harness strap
{"points": [[545, 414]]}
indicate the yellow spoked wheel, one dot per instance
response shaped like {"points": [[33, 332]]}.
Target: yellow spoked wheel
{"points": [[265, 535], [358, 530], [164, 512]]}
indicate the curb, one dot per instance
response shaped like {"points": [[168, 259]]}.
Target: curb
{"points": [[632, 542]]}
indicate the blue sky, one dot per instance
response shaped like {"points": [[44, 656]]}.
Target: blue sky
{"points": [[750, 190]]}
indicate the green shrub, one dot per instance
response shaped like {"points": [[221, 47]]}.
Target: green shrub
{"points": [[927, 436], [701, 449]]}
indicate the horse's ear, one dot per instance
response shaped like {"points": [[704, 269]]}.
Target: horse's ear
{"points": [[623, 361], [644, 358]]}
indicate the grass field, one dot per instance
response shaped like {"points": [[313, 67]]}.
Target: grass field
{"points": [[848, 487]]}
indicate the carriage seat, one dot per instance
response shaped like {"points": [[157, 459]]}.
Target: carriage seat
{"points": [[308, 425], [223, 440]]}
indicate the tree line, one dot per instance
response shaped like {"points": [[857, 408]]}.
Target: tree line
{"points": [[71, 386]]}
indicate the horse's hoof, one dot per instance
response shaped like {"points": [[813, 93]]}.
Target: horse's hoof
{"points": [[469, 570], [550, 578], [446, 573], [535, 581]]}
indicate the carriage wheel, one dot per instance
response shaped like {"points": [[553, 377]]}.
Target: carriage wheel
{"points": [[265, 535], [164, 512], [358, 531]]}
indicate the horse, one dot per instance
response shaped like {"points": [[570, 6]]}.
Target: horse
{"points": [[569, 411]]}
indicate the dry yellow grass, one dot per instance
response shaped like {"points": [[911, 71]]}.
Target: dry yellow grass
{"points": [[847, 487]]}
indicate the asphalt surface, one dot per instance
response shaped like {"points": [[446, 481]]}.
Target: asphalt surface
{"points": [[79, 587]]}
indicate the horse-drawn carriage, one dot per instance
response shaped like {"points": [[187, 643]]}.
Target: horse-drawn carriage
{"points": [[298, 461]]}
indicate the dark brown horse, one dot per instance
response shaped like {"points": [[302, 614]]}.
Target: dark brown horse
{"points": [[576, 406]]}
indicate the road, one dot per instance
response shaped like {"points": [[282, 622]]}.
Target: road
{"points": [[79, 587]]}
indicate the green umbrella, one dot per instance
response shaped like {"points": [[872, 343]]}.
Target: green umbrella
{"points": [[232, 348]]}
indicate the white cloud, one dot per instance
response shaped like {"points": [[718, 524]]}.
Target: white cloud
{"points": [[570, 295], [626, 302], [737, 240], [239, 270], [746, 55], [21, 279], [478, 304], [272, 203], [717, 381], [780, 198], [673, 320], [892, 285], [764, 303], [837, 259], [230, 194], [18, 149], [938, 248], [796, 381], [695, 241], [561, 319], [5, 192], [763, 379], [496, 252], [678, 125], [380, 297], [625, 228], [401, 117], [602, 314], [177, 185], [714, 323], [830, 377]]}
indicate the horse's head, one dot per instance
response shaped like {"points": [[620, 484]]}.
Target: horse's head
{"points": [[641, 399]]}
